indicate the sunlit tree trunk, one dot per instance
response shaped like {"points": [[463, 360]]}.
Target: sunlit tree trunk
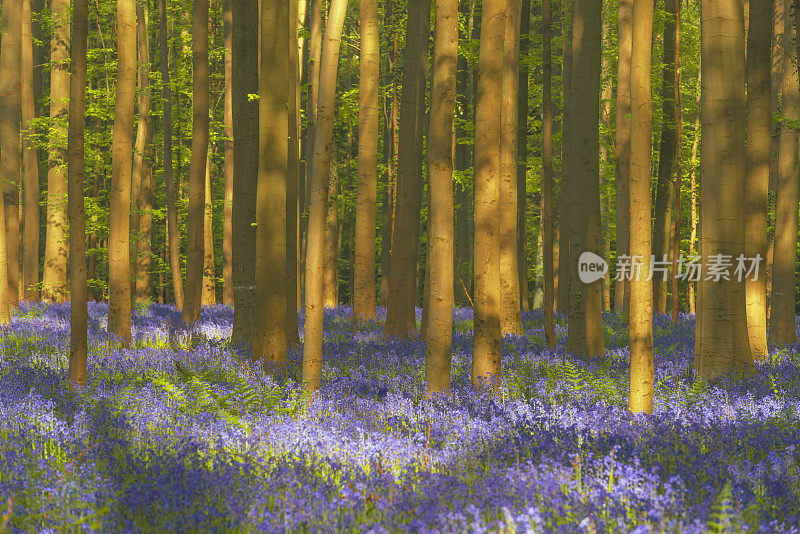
{"points": [[30, 164], [606, 155], [781, 322], [227, 213], [400, 314], [623, 141], [144, 261], [293, 203], [695, 164], [54, 277], [511, 307], [640, 323], [318, 189], [439, 330], [244, 47], [522, 156], [77, 215], [208, 294], [194, 220], [364, 290], [486, 350], [331, 283], [547, 177], [759, 125], [119, 267], [722, 342]]}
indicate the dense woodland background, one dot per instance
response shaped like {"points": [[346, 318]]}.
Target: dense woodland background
{"points": [[558, 141]]}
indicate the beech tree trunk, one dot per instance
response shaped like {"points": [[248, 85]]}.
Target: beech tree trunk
{"points": [[369, 77], [722, 343], [565, 218], [486, 349], [547, 178], [227, 213], [511, 307], [331, 292], [318, 188], [640, 323], [77, 214], [244, 81], [209, 297], [194, 220], [119, 266], [292, 183], [400, 314], [439, 329], [759, 126], [522, 156], [623, 142], [54, 277], [30, 164], [781, 322]]}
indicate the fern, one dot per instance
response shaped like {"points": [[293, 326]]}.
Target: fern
{"points": [[724, 518]]}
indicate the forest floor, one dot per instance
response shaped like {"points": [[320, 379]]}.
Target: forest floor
{"points": [[210, 444]]}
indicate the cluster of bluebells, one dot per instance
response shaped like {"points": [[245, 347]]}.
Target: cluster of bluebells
{"points": [[143, 448]]}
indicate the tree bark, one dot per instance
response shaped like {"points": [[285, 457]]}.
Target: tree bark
{"points": [[293, 204], [547, 178], [194, 220], [119, 267], [144, 261], [77, 214], [781, 322], [331, 283], [759, 125], [227, 228], [323, 139], [486, 351], [668, 154], [522, 156], [511, 306], [623, 142], [640, 323], [400, 315], [722, 342], [30, 163], [54, 277], [695, 163], [244, 43], [439, 330], [364, 290], [564, 201], [208, 293]]}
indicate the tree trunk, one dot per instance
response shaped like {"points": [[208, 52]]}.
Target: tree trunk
{"points": [[364, 279], [400, 315], [209, 297], [640, 323], [668, 155], [119, 267], [522, 155], [606, 155], [782, 317], [695, 163], [759, 125], [623, 142], [292, 184], [486, 351], [439, 329], [331, 295], [390, 155], [244, 81], [722, 342], [196, 206], [564, 201], [77, 214], [30, 163], [547, 178], [676, 229], [323, 139], [54, 277], [511, 307], [144, 284], [585, 334], [227, 214]]}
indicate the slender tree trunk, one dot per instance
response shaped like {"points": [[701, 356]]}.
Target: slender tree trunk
{"points": [[606, 155], [78, 349], [389, 144], [511, 307], [323, 139], [194, 220], [778, 60], [759, 125], [292, 184], [119, 267], [227, 228], [364, 291], [623, 142], [400, 315], [244, 81], [547, 177], [439, 330], [208, 292], [54, 278], [30, 163], [522, 156], [565, 202], [668, 156], [640, 323], [676, 229], [331, 282], [722, 342], [144, 284], [314, 56], [486, 351], [695, 163], [782, 317], [585, 334]]}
